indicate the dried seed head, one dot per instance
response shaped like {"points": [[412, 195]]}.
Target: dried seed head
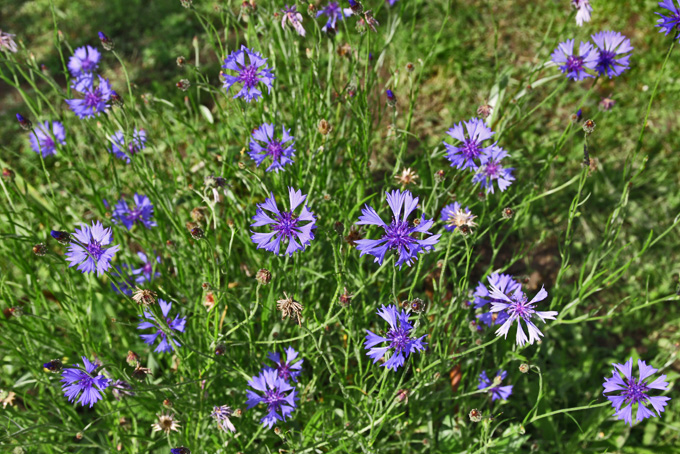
{"points": [[197, 233], [132, 359], [606, 104], [524, 368], [263, 276], [484, 111], [508, 213], [144, 297], [289, 308], [339, 227], [346, 298], [439, 176], [475, 415], [40, 249], [407, 177], [140, 373], [165, 423], [324, 127], [183, 84], [410, 67], [181, 61], [186, 3], [220, 349], [353, 236]]}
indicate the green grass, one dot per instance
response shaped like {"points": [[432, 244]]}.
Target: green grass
{"points": [[602, 242]]}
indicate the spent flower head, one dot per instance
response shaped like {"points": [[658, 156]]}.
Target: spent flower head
{"points": [[221, 414], [166, 423], [7, 43], [583, 10], [291, 16], [453, 216]]}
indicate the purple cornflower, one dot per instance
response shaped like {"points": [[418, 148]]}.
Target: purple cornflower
{"points": [[583, 10], [575, 65], [221, 414], [284, 225], [293, 17], [391, 2], [507, 285], [175, 325], [141, 213], [463, 157], [118, 144], [263, 145], [497, 391], [491, 170], [632, 391], [121, 388], [79, 380], [95, 100], [611, 59], [519, 309], [146, 272], [273, 389], [7, 43], [44, 138], [84, 60], [122, 281], [89, 252], [672, 22], [334, 13], [454, 216], [400, 234], [286, 369], [399, 338], [248, 74]]}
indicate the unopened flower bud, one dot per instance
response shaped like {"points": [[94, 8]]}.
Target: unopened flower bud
{"points": [[475, 415], [62, 237], [220, 349], [391, 99], [339, 227], [588, 127], [8, 174], [606, 104], [40, 249], [107, 43], [79, 436], [357, 7], [576, 117], [361, 26], [410, 67], [439, 176], [508, 213], [417, 305], [484, 111], [346, 298], [312, 10], [24, 123], [197, 233], [402, 395], [167, 403], [132, 359], [524, 368], [186, 3], [181, 449], [181, 61], [197, 214], [53, 365], [263, 276], [140, 373], [183, 84], [116, 99]]}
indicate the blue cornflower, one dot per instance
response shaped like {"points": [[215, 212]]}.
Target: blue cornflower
{"points": [[79, 380], [454, 216], [122, 281], [90, 252], [95, 100], [491, 170], [497, 391], [84, 60], [334, 13], [634, 391], [44, 139], [503, 282], [291, 15], [263, 145], [284, 226], [141, 213], [463, 157], [611, 59], [286, 369], [401, 234], [176, 324], [583, 10], [146, 272], [391, 2], [273, 388], [399, 338], [519, 309], [221, 414], [118, 144], [249, 75], [575, 65], [180, 450], [672, 22]]}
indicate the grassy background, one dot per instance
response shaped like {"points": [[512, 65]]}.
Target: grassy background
{"points": [[601, 242]]}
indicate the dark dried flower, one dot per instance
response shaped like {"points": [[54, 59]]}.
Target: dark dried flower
{"points": [[40, 249], [263, 276], [144, 297], [345, 298], [289, 308]]}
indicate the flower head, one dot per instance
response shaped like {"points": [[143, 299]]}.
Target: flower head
{"points": [[670, 23], [146, 272], [401, 235], [334, 13], [519, 309], [294, 18], [95, 99], [7, 44], [165, 423], [492, 170], [221, 414], [89, 252], [250, 74], [289, 308], [407, 176], [84, 60], [398, 338], [264, 145], [632, 391], [507, 285], [83, 380], [176, 325], [583, 10], [141, 213], [119, 144], [273, 391], [496, 391], [288, 369], [575, 64], [471, 147], [613, 53], [44, 138], [284, 225], [454, 216]]}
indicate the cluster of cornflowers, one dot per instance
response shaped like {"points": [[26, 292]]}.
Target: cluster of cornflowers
{"points": [[272, 387], [608, 57]]}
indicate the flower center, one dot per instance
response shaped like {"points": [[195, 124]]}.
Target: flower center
{"points": [[47, 142], [275, 150], [92, 98], [87, 65], [607, 58], [286, 223], [248, 76], [399, 234], [274, 399], [492, 169], [471, 149], [636, 391], [575, 63], [398, 338], [94, 248], [521, 308], [284, 371], [147, 268]]}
